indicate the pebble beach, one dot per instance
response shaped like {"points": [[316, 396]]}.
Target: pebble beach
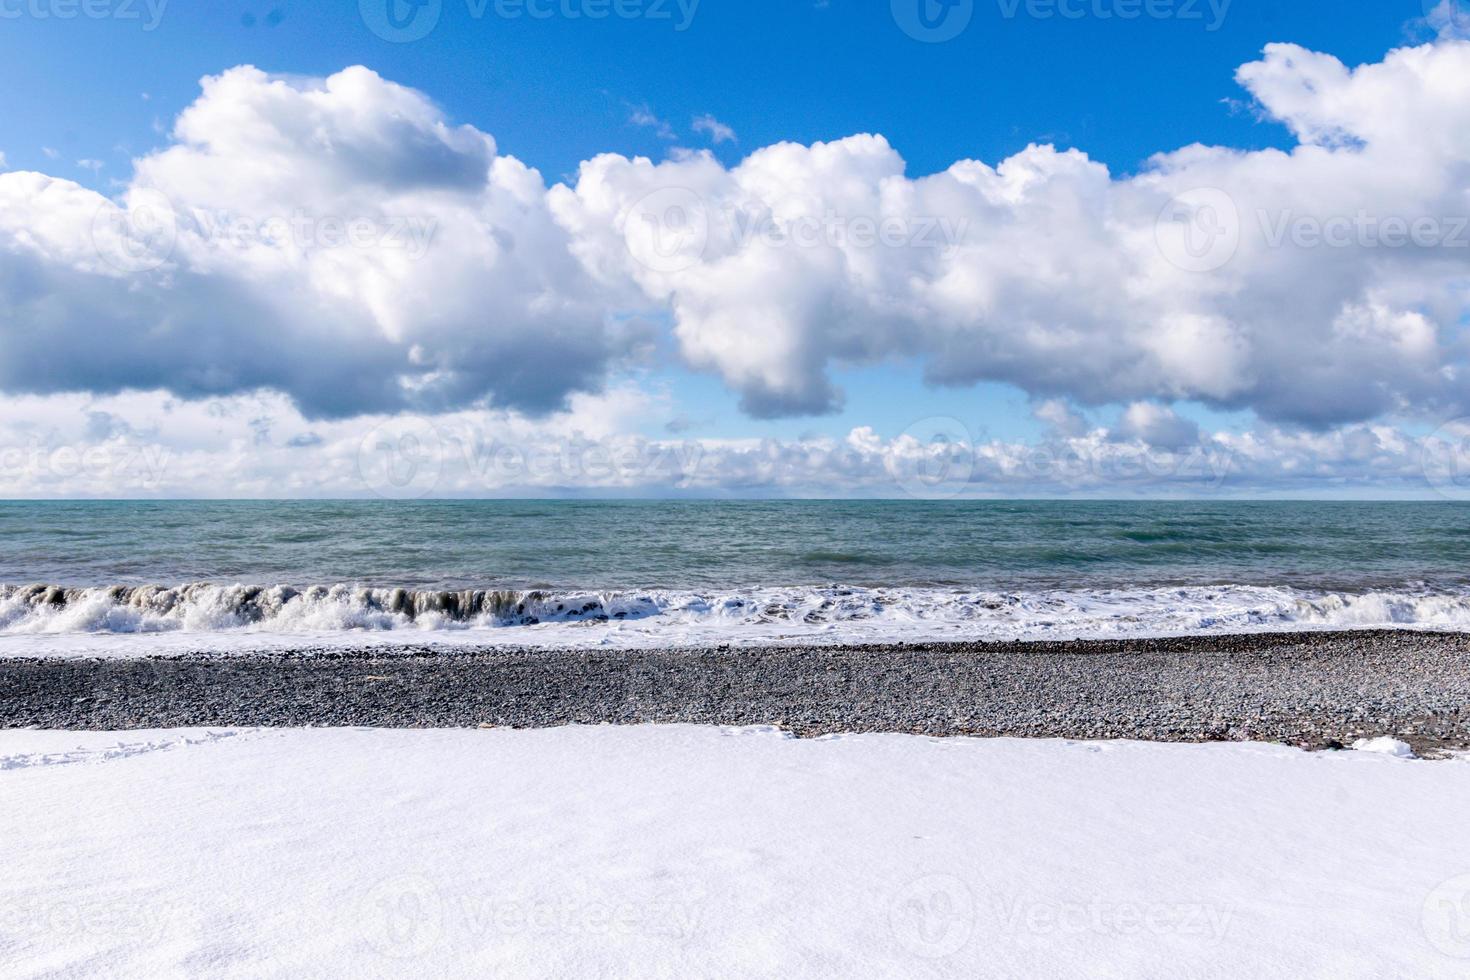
{"points": [[1315, 690]]}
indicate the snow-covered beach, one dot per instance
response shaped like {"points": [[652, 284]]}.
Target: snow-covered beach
{"points": [[413, 812], [686, 851], [664, 489]]}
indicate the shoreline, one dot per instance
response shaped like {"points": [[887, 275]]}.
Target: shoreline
{"points": [[147, 620], [1310, 689]]}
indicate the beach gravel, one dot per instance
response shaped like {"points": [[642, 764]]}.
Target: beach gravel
{"points": [[1319, 690]]}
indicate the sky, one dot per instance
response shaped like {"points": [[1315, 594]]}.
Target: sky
{"points": [[706, 247]]}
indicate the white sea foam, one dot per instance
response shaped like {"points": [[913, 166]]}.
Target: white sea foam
{"points": [[37, 620]]}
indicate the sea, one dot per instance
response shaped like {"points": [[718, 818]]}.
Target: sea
{"points": [[128, 578]]}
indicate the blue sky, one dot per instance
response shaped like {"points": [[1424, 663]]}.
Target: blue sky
{"points": [[94, 92], [556, 91]]}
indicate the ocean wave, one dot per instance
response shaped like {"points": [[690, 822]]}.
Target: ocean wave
{"points": [[832, 614], [205, 607]]}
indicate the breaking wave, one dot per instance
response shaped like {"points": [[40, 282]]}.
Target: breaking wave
{"points": [[666, 617]]}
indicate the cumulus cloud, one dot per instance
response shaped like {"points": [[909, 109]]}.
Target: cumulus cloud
{"points": [[339, 246], [1317, 286], [1062, 418], [336, 240], [1158, 426]]}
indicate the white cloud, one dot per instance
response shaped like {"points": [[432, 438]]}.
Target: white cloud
{"points": [[150, 444], [717, 131], [333, 239], [642, 115], [339, 249], [1048, 272], [1157, 426], [259, 445], [1450, 19], [1063, 419]]}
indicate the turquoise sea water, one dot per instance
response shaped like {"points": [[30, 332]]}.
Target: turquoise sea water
{"points": [[657, 572], [644, 545]]}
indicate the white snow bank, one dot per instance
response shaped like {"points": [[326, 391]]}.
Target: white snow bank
{"points": [[683, 852], [1384, 745]]}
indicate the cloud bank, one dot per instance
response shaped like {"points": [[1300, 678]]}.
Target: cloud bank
{"points": [[1319, 286], [339, 247], [150, 444]]}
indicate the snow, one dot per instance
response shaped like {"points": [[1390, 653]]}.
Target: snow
{"points": [[681, 851], [1384, 745]]}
